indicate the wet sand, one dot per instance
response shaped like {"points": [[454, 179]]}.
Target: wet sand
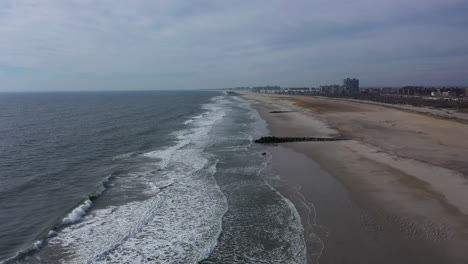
{"points": [[396, 193]]}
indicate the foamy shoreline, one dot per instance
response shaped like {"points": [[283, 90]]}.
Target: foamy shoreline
{"points": [[417, 201]]}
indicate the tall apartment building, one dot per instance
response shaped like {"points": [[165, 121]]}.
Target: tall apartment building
{"points": [[351, 86]]}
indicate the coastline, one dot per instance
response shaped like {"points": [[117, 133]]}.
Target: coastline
{"points": [[396, 201]]}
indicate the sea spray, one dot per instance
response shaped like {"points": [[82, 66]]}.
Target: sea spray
{"points": [[77, 213]]}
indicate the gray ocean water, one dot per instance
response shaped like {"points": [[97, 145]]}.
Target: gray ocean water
{"points": [[139, 177]]}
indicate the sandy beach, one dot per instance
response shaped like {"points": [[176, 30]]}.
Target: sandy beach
{"points": [[396, 192]]}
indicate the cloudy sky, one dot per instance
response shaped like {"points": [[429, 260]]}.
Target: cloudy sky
{"points": [[187, 44]]}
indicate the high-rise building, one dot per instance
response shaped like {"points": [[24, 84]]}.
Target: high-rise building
{"points": [[351, 86]]}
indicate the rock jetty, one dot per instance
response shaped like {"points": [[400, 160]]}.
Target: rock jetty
{"points": [[265, 140], [280, 112]]}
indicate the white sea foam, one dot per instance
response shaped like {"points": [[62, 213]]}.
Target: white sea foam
{"points": [[104, 229], [38, 244], [187, 222], [185, 227], [77, 213], [164, 156], [189, 121]]}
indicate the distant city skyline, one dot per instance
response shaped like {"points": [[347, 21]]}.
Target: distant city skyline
{"points": [[53, 45]]}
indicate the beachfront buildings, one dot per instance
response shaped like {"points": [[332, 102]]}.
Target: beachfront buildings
{"points": [[266, 89], [331, 89], [351, 86], [433, 92]]}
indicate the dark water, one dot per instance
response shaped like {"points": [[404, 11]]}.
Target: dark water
{"points": [[164, 177]]}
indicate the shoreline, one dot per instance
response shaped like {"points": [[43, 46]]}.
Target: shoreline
{"points": [[403, 209]]}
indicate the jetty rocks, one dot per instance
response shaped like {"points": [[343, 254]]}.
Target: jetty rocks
{"points": [[266, 140], [280, 112]]}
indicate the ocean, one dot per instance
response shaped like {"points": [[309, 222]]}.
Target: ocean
{"points": [[139, 177]]}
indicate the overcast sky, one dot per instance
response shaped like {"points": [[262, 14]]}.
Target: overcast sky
{"points": [[178, 44]]}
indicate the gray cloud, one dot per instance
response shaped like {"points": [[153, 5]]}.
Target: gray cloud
{"points": [[143, 44]]}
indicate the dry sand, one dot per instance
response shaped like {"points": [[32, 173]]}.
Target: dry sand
{"points": [[405, 195]]}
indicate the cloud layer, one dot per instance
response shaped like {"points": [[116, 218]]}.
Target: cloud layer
{"points": [[178, 44]]}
